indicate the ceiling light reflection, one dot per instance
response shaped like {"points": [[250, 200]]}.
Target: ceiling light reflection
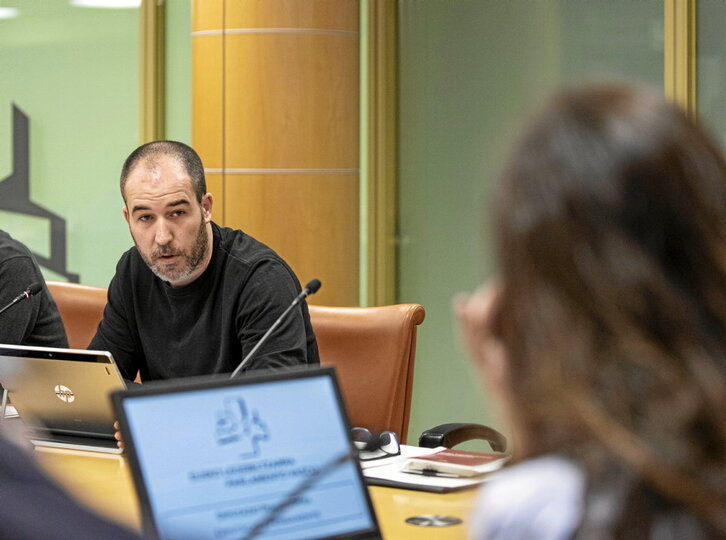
{"points": [[115, 4], [8, 12]]}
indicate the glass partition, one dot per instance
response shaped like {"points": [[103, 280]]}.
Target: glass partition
{"points": [[469, 72], [69, 94], [711, 65]]}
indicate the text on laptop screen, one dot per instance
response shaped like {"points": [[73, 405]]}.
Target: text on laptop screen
{"points": [[215, 462]]}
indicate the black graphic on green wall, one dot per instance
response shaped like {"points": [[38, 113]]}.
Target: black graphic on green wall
{"points": [[15, 197]]}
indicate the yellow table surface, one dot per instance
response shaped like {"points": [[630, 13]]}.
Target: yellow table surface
{"points": [[103, 483]]}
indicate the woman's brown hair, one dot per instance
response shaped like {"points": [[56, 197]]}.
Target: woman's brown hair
{"points": [[611, 220]]}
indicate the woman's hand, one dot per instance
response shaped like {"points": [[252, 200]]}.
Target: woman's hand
{"points": [[476, 315]]}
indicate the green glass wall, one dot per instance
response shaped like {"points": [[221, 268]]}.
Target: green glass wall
{"points": [[71, 76], [469, 72], [711, 65]]}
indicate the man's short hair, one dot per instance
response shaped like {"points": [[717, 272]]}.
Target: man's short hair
{"points": [[183, 153]]}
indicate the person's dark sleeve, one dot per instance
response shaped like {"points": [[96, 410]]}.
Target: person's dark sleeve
{"points": [[115, 333], [267, 294], [34, 507], [16, 273]]}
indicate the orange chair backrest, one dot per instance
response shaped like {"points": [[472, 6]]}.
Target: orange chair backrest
{"points": [[81, 308], [373, 351]]}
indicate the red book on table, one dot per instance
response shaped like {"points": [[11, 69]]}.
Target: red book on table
{"points": [[450, 462]]}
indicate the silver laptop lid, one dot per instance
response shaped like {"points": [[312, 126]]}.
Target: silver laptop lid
{"points": [[63, 391]]}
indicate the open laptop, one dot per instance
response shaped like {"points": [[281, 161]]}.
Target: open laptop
{"points": [[62, 395], [261, 456]]}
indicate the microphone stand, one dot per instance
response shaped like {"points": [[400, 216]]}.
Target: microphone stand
{"points": [[4, 405], [310, 288], [294, 496], [32, 290]]}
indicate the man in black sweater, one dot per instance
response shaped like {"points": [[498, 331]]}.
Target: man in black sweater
{"points": [[192, 298], [34, 321], [32, 505]]}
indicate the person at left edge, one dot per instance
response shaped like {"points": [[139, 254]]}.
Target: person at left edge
{"points": [[191, 297], [33, 506], [34, 321]]}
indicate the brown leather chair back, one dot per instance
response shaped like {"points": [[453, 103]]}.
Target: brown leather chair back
{"points": [[81, 308], [373, 351]]}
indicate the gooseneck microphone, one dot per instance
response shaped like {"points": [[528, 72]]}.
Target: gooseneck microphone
{"points": [[294, 496], [311, 288], [32, 290]]}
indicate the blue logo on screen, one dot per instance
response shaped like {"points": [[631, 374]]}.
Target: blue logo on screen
{"points": [[236, 425]]}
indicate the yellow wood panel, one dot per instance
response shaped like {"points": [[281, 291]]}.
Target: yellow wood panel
{"points": [[310, 220], [100, 482], [215, 186], [207, 15], [207, 99], [152, 66], [104, 484], [329, 14], [291, 101], [381, 154], [394, 506]]}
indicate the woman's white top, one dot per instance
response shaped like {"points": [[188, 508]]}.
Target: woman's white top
{"points": [[541, 499]]}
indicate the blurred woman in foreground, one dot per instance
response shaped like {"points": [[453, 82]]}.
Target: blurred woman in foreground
{"points": [[604, 337]]}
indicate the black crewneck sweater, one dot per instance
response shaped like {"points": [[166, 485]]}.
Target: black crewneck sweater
{"points": [[208, 326]]}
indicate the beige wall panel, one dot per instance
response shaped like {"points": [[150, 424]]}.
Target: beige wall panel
{"points": [[310, 220], [215, 186], [207, 99], [207, 15], [329, 14], [291, 101], [279, 90]]}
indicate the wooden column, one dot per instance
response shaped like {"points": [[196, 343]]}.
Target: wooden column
{"points": [[208, 95], [275, 119]]}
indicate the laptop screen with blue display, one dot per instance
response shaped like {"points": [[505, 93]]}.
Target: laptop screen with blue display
{"points": [[265, 456]]}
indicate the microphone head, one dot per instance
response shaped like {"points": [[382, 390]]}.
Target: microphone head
{"points": [[34, 288], [313, 286]]}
